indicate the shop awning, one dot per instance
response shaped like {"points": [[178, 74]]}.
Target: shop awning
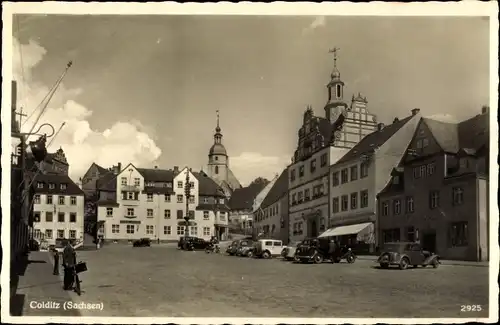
{"points": [[327, 233], [349, 230]]}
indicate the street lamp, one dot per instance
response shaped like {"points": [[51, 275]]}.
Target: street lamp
{"points": [[187, 192]]}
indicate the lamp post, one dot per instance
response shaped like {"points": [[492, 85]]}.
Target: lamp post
{"points": [[187, 192]]}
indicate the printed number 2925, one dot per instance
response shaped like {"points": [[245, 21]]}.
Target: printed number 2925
{"points": [[470, 308]]}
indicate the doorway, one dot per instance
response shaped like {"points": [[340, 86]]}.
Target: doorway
{"points": [[313, 229], [429, 241]]}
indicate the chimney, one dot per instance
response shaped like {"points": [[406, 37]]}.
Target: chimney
{"points": [[485, 109], [395, 120], [118, 168], [415, 111], [176, 169], [380, 126]]}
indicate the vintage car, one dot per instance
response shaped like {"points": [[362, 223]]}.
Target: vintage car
{"points": [[247, 251], [193, 243], [242, 247], [317, 250], [289, 252], [143, 242], [267, 248], [404, 254]]}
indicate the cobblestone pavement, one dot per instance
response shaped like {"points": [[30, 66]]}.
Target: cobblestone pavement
{"points": [[165, 282]]}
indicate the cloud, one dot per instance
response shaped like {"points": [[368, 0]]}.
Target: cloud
{"points": [[444, 118], [250, 165], [319, 21], [122, 141]]}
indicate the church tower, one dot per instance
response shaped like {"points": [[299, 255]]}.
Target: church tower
{"points": [[218, 160], [335, 104]]}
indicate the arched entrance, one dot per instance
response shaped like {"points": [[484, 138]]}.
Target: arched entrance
{"points": [[313, 229]]}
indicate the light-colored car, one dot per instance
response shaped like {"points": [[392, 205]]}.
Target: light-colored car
{"points": [[267, 248], [288, 252]]}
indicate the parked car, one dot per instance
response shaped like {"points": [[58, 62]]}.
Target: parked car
{"points": [[193, 243], [289, 252], [247, 251], [318, 249], [231, 249], [241, 245], [267, 248], [404, 254], [143, 242]]}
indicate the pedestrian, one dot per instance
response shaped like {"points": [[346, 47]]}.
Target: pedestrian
{"points": [[69, 261], [56, 261]]}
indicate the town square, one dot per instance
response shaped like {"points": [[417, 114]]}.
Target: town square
{"points": [[250, 166]]}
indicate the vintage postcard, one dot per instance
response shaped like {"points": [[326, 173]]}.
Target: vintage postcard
{"points": [[250, 163]]}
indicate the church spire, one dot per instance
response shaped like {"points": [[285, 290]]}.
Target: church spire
{"points": [[218, 134], [335, 73]]}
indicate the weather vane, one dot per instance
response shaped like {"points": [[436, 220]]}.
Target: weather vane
{"points": [[334, 51]]}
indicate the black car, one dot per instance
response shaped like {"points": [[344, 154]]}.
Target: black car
{"points": [[317, 250], [143, 242], [192, 243]]}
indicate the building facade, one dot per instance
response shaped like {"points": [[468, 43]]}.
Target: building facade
{"points": [[360, 175], [439, 195], [271, 215], [137, 203], [322, 141], [57, 209]]}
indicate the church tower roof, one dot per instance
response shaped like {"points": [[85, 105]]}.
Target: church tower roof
{"points": [[217, 148]]}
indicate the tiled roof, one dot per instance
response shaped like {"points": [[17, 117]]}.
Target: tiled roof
{"points": [[57, 180], [107, 182], [157, 175], [474, 132], [101, 170], [242, 198], [208, 186], [279, 189], [232, 181], [446, 134], [373, 140]]}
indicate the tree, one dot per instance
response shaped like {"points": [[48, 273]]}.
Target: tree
{"points": [[259, 181]]}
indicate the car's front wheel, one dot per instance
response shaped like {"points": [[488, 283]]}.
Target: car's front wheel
{"points": [[250, 254], [318, 258], [435, 264], [266, 254], [403, 265]]}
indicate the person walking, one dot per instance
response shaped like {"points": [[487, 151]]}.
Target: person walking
{"points": [[69, 261], [56, 261]]}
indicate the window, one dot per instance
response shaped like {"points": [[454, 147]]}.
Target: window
{"points": [[458, 234], [149, 197], [150, 229], [49, 216], [60, 217], [364, 169], [410, 234], [354, 201], [354, 173], [193, 231], [344, 175], [395, 179], [124, 180], [221, 201], [61, 200], [167, 198], [130, 196], [464, 164], [216, 168], [169, 184], [191, 184], [434, 199], [292, 175], [180, 184], [38, 233], [410, 205], [335, 178], [149, 213], [191, 214], [166, 214], [313, 165], [52, 186], [396, 206], [364, 198], [63, 186], [115, 229], [180, 214], [458, 196], [72, 217], [109, 212], [300, 196], [344, 202], [205, 200], [430, 169], [339, 91], [150, 184], [294, 198], [324, 160], [191, 199], [222, 216], [392, 235], [423, 169], [416, 172], [167, 230], [72, 200], [335, 205], [180, 198], [37, 199], [36, 217], [49, 199], [60, 233], [385, 208], [307, 196], [301, 171], [130, 229], [130, 212], [72, 234], [137, 182], [206, 215], [48, 233], [39, 185], [180, 230], [206, 231]]}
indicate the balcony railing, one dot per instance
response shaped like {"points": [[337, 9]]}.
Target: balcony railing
{"points": [[130, 188]]}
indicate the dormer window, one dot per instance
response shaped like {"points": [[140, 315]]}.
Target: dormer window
{"points": [[63, 186], [52, 186], [395, 179]]}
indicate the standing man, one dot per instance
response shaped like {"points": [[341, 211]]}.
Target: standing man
{"points": [[56, 261], [69, 261]]}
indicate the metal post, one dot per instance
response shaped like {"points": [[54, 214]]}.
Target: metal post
{"points": [[187, 191]]}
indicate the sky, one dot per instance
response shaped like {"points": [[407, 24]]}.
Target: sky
{"points": [[145, 89]]}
